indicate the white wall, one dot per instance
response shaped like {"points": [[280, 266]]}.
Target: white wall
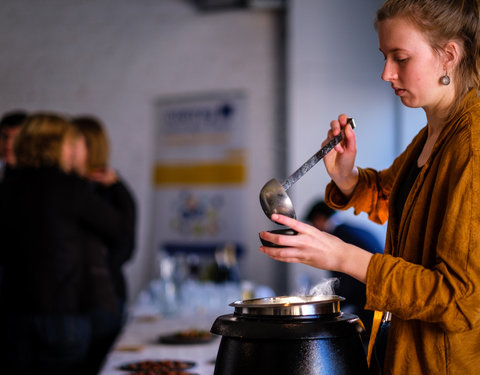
{"points": [[115, 58], [335, 67]]}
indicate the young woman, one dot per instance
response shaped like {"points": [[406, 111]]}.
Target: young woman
{"points": [[46, 215], [91, 162], [429, 277]]}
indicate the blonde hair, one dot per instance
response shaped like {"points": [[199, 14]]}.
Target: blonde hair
{"points": [[96, 141], [442, 21], [40, 140]]}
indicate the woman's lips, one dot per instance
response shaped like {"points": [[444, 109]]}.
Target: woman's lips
{"points": [[399, 91]]}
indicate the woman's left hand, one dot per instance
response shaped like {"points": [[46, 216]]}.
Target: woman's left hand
{"points": [[106, 177], [316, 248]]}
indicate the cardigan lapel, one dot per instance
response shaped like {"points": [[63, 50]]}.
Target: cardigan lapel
{"points": [[397, 224]]}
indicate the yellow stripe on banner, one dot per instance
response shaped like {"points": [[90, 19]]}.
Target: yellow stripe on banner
{"points": [[199, 174]]}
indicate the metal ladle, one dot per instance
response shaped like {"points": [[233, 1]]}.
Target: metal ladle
{"points": [[273, 196]]}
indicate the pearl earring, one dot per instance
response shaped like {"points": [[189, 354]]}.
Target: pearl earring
{"points": [[445, 79]]}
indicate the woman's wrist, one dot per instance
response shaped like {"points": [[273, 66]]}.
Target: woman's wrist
{"points": [[348, 183], [354, 261]]}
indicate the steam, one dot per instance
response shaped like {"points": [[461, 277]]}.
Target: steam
{"points": [[325, 288]]}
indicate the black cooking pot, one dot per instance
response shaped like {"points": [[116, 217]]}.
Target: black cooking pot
{"points": [[306, 335]]}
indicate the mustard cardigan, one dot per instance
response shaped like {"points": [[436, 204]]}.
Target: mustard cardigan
{"points": [[429, 277]]}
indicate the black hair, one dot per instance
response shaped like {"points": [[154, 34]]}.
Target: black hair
{"points": [[13, 119], [320, 209]]}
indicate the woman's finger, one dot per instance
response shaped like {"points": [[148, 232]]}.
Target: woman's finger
{"points": [[285, 254], [335, 128], [350, 138], [342, 119], [286, 260], [280, 239], [294, 224]]}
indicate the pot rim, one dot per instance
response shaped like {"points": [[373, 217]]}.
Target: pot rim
{"points": [[306, 305]]}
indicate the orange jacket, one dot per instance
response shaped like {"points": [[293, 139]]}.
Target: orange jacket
{"points": [[429, 277]]}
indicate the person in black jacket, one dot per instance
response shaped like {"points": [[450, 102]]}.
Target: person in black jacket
{"points": [[46, 217], [10, 125], [91, 162]]}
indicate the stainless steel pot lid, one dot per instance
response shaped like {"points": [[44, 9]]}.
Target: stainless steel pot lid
{"points": [[290, 306]]}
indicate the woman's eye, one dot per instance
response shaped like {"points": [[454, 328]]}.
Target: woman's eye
{"points": [[401, 60]]}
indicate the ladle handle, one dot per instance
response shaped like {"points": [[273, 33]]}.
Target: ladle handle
{"points": [[300, 172]]}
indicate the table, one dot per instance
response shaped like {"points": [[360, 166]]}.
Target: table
{"points": [[195, 305], [138, 341]]}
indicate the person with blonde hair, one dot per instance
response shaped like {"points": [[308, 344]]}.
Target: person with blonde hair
{"points": [[92, 163], [427, 284], [46, 214], [10, 125]]}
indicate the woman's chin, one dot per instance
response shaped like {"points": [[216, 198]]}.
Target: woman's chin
{"points": [[408, 102]]}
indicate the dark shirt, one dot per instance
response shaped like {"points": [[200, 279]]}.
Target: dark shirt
{"points": [[44, 215], [404, 188], [118, 195], [7, 171]]}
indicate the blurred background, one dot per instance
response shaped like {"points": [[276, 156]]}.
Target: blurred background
{"points": [[281, 69]]}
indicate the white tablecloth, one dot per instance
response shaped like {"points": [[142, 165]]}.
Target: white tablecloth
{"points": [[139, 341], [196, 307]]}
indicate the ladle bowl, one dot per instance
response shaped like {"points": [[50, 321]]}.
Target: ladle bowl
{"points": [[275, 200], [273, 196]]}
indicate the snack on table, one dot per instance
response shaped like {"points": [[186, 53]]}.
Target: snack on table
{"points": [[194, 333], [187, 336], [158, 367]]}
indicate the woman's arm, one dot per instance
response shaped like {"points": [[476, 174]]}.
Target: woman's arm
{"points": [[104, 219], [317, 249], [120, 197]]}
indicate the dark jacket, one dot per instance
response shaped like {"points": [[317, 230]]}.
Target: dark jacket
{"points": [[119, 252], [44, 216]]}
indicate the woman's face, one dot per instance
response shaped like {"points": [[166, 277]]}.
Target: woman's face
{"points": [[79, 156], [412, 67], [7, 136], [68, 150]]}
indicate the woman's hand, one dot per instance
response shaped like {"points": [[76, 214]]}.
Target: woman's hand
{"points": [[317, 249], [106, 177], [340, 162]]}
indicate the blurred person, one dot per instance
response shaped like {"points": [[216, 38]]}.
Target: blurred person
{"points": [[91, 162], [326, 219], [46, 217], [10, 125]]}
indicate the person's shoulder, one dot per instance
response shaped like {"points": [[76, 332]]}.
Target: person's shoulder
{"points": [[77, 182], [61, 180], [466, 132]]}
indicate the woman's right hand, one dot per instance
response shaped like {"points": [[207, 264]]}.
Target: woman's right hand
{"points": [[340, 162]]}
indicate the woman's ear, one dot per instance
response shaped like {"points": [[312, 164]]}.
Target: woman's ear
{"points": [[451, 55]]}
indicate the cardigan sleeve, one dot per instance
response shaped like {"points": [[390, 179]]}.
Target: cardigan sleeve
{"points": [[369, 196], [373, 189]]}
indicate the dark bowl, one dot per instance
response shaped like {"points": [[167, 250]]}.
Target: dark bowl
{"points": [[285, 231]]}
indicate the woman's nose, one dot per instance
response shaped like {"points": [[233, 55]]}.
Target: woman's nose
{"points": [[389, 73]]}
